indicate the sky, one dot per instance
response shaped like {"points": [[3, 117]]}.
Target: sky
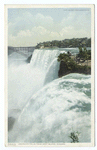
{"points": [[29, 26]]}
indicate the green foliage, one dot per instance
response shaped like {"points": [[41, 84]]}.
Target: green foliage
{"points": [[70, 64], [80, 50], [64, 57], [84, 67], [75, 42], [84, 54], [75, 137]]}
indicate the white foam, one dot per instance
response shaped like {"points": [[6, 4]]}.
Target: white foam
{"points": [[53, 113], [26, 79]]}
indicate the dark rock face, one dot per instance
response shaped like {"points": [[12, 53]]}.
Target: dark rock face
{"points": [[64, 70], [29, 59], [11, 122]]}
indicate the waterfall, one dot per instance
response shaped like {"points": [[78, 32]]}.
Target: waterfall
{"points": [[46, 61], [59, 108], [42, 59], [27, 79], [42, 108]]}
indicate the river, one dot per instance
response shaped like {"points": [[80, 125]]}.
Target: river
{"points": [[43, 108]]}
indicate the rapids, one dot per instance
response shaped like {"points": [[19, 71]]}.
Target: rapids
{"points": [[45, 108]]}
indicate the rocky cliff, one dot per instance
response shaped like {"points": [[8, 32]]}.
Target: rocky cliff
{"points": [[64, 70]]}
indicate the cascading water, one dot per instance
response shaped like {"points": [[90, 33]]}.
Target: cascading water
{"points": [[26, 79], [47, 109], [42, 59]]}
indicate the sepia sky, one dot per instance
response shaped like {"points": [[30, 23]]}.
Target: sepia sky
{"points": [[27, 27]]}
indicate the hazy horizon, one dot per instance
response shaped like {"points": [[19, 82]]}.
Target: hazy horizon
{"points": [[46, 41], [29, 26]]}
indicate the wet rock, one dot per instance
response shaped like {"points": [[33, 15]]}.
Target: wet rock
{"points": [[11, 122]]}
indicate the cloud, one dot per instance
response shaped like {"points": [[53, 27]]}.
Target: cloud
{"points": [[22, 33], [45, 21], [26, 37], [27, 21], [66, 30], [28, 30], [40, 31], [41, 34]]}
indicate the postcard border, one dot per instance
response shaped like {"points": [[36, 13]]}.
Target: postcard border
{"points": [[92, 6]]}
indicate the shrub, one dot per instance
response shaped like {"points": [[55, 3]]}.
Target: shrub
{"points": [[84, 54], [68, 61], [74, 136], [71, 66], [64, 57]]}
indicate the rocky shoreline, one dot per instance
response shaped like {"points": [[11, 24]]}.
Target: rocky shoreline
{"points": [[72, 64], [64, 71]]}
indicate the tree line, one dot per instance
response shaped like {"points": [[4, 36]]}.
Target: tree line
{"points": [[74, 42]]}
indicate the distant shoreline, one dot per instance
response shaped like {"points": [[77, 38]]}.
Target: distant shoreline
{"points": [[66, 43]]}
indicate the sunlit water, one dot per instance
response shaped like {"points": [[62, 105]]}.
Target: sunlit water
{"points": [[45, 108]]}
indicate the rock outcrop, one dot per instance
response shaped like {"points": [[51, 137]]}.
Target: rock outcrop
{"points": [[63, 70], [29, 59]]}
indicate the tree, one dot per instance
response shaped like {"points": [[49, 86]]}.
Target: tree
{"points": [[80, 50], [74, 136]]}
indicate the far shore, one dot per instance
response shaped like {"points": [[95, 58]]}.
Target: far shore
{"points": [[87, 63]]}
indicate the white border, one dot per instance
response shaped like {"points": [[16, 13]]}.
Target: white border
{"points": [[2, 58], [92, 76]]}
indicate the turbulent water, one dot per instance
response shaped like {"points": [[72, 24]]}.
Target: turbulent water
{"points": [[73, 51], [43, 108]]}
